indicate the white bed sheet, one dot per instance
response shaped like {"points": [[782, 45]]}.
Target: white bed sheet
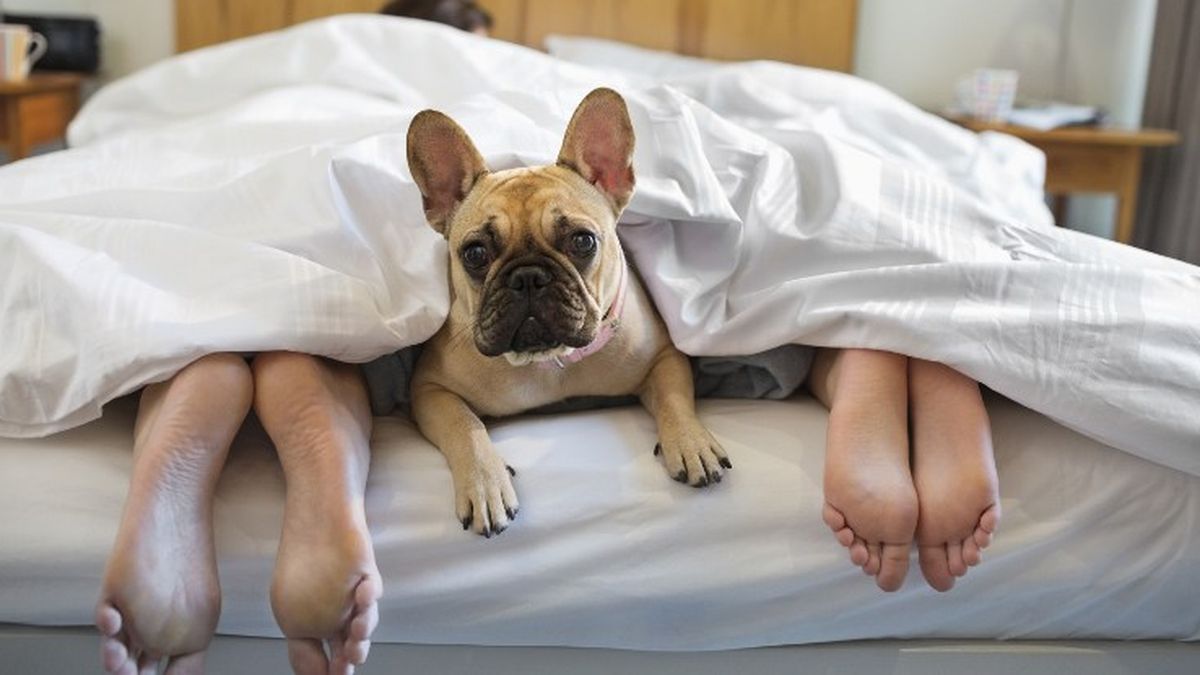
{"points": [[608, 552]]}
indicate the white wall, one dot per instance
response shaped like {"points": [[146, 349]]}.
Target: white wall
{"points": [[1085, 51], [1081, 51], [135, 33]]}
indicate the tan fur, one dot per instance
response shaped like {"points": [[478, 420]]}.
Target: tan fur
{"points": [[454, 383]]}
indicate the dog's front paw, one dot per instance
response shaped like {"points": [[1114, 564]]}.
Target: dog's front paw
{"points": [[484, 495], [691, 455]]}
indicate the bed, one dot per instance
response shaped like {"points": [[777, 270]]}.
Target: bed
{"points": [[1093, 571], [611, 564]]}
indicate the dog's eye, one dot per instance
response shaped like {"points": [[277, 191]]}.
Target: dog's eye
{"points": [[476, 257], [583, 244]]}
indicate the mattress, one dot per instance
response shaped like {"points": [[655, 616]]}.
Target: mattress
{"points": [[608, 552]]}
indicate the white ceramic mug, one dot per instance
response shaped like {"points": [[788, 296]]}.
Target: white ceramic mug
{"points": [[20, 48]]}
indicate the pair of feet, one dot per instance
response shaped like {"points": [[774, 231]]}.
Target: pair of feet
{"points": [[878, 499], [161, 597]]}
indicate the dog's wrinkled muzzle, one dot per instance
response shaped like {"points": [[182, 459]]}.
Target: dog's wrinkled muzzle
{"points": [[529, 309]]}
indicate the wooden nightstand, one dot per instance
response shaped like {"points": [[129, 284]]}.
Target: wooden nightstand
{"points": [[1090, 159], [37, 111]]}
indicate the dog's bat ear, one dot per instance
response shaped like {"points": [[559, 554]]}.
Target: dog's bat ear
{"points": [[445, 164], [599, 145]]}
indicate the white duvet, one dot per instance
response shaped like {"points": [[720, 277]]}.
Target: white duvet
{"points": [[255, 196]]}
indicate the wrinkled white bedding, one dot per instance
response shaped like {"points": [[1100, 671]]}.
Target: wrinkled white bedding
{"points": [[776, 100], [211, 206], [608, 552]]}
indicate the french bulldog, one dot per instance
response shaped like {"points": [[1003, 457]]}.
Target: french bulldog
{"points": [[544, 306]]}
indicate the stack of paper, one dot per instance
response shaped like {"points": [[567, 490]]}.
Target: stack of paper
{"points": [[1047, 116]]}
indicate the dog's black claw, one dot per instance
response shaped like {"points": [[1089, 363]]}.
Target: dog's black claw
{"points": [[716, 478], [498, 529], [511, 513], [702, 482], [657, 449], [726, 463], [681, 476], [466, 523], [511, 471], [487, 533]]}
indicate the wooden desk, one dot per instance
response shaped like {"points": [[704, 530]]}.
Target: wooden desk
{"points": [[37, 111], [1090, 159]]}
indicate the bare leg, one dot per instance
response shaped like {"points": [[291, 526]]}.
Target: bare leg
{"points": [[954, 471], [870, 501], [326, 586], [161, 597]]}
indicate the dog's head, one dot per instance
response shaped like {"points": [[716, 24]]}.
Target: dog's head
{"points": [[533, 251]]}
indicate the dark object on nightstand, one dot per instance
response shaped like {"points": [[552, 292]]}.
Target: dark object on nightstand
{"points": [[73, 42]]}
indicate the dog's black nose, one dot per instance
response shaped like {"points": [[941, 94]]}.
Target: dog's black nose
{"points": [[528, 277]]}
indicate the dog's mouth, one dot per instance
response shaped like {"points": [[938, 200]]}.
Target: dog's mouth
{"points": [[548, 355], [531, 338], [531, 313]]}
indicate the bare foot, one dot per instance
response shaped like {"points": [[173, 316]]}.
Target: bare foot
{"points": [[326, 586], [160, 596], [870, 502], [954, 471]]}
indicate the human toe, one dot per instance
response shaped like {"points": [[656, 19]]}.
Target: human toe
{"points": [[970, 551], [113, 654], [858, 552], [893, 566], [954, 558], [935, 567]]}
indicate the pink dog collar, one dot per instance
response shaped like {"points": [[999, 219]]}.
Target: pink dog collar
{"points": [[608, 327]]}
